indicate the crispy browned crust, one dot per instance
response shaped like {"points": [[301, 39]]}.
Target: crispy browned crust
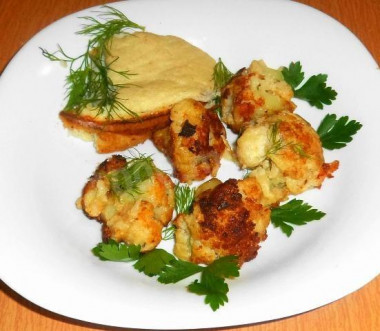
{"points": [[285, 155], [114, 135], [136, 125], [227, 217], [139, 221], [240, 103], [223, 223], [113, 163], [108, 142], [194, 141], [162, 140]]}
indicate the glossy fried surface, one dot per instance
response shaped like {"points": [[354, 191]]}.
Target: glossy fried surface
{"points": [[136, 218], [285, 155], [252, 93], [226, 220], [194, 141]]}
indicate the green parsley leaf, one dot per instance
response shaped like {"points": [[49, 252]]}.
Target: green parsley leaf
{"points": [[294, 212], [178, 270], [169, 269], [212, 283], [184, 198], [214, 288], [118, 252], [225, 267], [336, 132], [294, 74], [314, 90], [152, 263]]}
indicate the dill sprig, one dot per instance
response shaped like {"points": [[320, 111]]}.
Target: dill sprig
{"points": [[221, 75], [128, 178], [88, 82], [277, 143], [184, 198], [168, 232], [102, 32]]}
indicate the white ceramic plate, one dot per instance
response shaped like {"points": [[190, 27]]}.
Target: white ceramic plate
{"points": [[45, 241]]}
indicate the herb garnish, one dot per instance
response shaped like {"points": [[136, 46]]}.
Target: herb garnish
{"points": [[170, 270], [88, 83], [221, 76], [314, 90], [168, 232], [114, 251], [336, 132], [277, 144], [128, 178], [184, 198], [294, 212]]}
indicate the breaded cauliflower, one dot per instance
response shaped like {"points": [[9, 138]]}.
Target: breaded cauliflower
{"points": [[194, 141], [254, 92], [285, 155], [134, 216], [227, 219]]}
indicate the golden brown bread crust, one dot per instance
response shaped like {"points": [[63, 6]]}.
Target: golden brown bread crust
{"points": [[137, 125], [224, 221], [194, 141], [108, 142], [163, 70], [116, 135], [136, 219]]}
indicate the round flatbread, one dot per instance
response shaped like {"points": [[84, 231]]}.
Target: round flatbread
{"points": [[163, 70]]}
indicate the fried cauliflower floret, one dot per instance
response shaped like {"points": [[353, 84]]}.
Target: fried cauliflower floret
{"points": [[131, 217], [254, 92], [285, 155], [226, 220], [194, 141]]}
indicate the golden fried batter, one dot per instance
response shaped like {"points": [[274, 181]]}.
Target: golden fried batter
{"points": [[285, 155], [226, 220], [136, 218], [194, 141], [254, 92]]}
